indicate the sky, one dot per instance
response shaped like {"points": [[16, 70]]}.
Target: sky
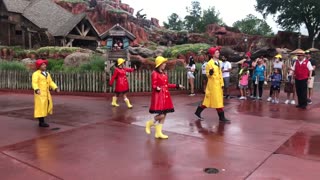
{"points": [[230, 10]]}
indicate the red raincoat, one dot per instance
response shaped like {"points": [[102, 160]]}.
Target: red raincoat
{"points": [[122, 85], [161, 102]]}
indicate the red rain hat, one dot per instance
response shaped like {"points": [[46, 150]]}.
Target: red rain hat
{"points": [[39, 62]]}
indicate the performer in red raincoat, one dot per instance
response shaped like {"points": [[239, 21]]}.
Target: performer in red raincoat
{"points": [[122, 85], [161, 102]]}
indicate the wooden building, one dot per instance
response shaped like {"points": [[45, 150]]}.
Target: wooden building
{"points": [[117, 34], [36, 23]]}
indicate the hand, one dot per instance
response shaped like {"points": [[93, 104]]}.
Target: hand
{"points": [[158, 88], [265, 83], [57, 90], [181, 87], [38, 91], [211, 72]]}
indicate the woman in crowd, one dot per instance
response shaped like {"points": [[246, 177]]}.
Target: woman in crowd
{"points": [[191, 68], [258, 77]]}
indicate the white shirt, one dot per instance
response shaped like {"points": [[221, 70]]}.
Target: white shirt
{"points": [[226, 66], [203, 67], [192, 68], [309, 65]]}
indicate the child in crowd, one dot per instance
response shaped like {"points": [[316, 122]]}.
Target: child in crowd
{"points": [[275, 85], [289, 88], [243, 81]]}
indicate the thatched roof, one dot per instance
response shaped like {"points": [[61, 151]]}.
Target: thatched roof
{"points": [[16, 6], [47, 14]]}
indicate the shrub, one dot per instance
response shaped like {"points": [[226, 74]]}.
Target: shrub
{"points": [[96, 64], [186, 48], [55, 65], [13, 65]]}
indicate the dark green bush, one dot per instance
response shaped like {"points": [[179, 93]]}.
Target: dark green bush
{"points": [[13, 65]]}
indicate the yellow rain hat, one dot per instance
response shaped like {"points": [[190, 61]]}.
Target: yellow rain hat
{"points": [[279, 56], [120, 61], [159, 60]]}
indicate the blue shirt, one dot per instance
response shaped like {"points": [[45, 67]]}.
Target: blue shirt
{"points": [[259, 72], [276, 79]]}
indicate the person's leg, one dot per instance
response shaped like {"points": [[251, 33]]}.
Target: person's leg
{"points": [[304, 93], [299, 92], [114, 100], [158, 134], [222, 117], [260, 88], [192, 85], [127, 101], [42, 123], [199, 111], [255, 90]]}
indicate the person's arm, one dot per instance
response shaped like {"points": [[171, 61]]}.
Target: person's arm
{"points": [[115, 74], [35, 86], [52, 84], [310, 69]]}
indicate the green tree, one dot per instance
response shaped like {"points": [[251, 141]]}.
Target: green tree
{"points": [[193, 20], [293, 13], [253, 25], [210, 16], [174, 22]]}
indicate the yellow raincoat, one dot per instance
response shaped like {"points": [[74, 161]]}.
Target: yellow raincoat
{"points": [[43, 101], [214, 91]]}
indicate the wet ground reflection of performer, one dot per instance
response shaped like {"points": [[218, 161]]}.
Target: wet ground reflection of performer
{"points": [[161, 102], [214, 90]]}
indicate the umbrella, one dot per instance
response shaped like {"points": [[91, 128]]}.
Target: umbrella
{"points": [[313, 50]]}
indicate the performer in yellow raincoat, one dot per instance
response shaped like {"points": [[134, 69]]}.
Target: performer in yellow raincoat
{"points": [[214, 90], [41, 84]]}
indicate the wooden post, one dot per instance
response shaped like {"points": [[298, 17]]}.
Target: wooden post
{"points": [[29, 38]]}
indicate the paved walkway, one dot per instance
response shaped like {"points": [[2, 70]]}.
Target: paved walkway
{"points": [[88, 139]]}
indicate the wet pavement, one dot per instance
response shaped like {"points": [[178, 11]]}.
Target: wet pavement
{"points": [[88, 139]]}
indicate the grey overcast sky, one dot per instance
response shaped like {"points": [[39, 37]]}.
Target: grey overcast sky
{"points": [[230, 10]]}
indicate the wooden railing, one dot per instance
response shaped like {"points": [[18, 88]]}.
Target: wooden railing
{"points": [[139, 81]]}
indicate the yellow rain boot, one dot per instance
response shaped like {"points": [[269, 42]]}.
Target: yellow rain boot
{"points": [[114, 102], [128, 103], [149, 124], [158, 133]]}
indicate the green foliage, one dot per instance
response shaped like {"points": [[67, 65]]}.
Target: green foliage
{"points": [[196, 21], [57, 49], [291, 14], [174, 22], [96, 64], [193, 20], [210, 16], [186, 48], [12, 65], [55, 65], [253, 25]]}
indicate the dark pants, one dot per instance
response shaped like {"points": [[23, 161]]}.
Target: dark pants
{"points": [[302, 89], [259, 86]]}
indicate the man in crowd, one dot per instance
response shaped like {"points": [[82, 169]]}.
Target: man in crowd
{"points": [[226, 69], [310, 85], [302, 73]]}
